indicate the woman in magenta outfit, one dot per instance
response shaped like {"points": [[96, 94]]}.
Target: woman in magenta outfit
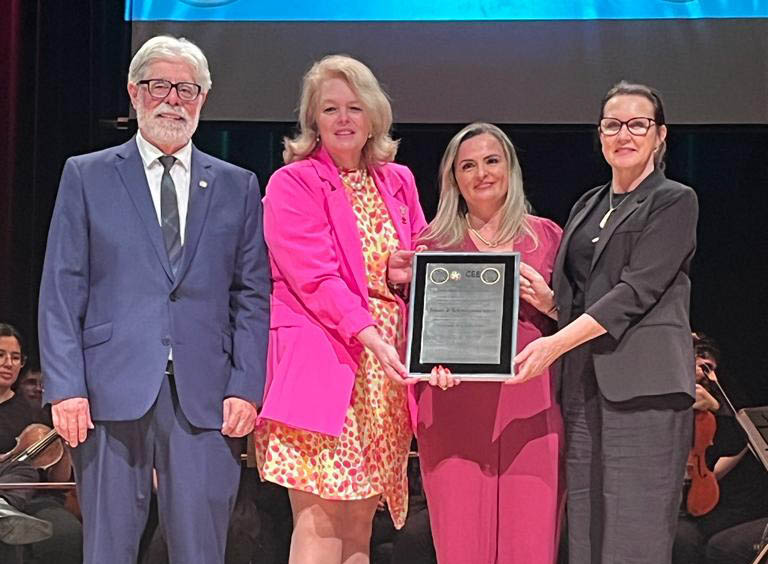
{"points": [[490, 452], [339, 219]]}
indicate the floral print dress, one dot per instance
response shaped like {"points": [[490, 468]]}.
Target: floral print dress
{"points": [[369, 458]]}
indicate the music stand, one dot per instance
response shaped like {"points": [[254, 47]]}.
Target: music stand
{"points": [[754, 422]]}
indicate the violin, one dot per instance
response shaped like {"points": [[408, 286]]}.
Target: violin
{"points": [[41, 447], [38, 445], [704, 492]]}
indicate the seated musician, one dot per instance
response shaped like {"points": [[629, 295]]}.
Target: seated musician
{"points": [[16, 413], [30, 384], [16, 527], [728, 532], [706, 355]]}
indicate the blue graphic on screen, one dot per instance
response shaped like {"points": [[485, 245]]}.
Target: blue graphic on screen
{"points": [[439, 10]]}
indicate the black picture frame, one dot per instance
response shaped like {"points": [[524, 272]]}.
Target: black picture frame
{"points": [[509, 305]]}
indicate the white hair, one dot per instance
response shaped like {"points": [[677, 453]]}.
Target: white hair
{"points": [[165, 47]]}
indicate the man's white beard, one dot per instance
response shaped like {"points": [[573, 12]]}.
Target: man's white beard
{"points": [[165, 131]]}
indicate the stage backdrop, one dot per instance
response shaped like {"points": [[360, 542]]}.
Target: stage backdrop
{"points": [[456, 61]]}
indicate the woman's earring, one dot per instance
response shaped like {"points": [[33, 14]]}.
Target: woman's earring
{"points": [[370, 136], [317, 139]]}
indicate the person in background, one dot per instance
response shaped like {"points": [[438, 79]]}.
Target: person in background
{"points": [[729, 532], [30, 384], [491, 453], [64, 546], [340, 219], [16, 527], [622, 289]]}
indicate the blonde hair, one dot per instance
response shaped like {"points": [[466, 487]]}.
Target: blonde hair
{"points": [[380, 148], [449, 228]]}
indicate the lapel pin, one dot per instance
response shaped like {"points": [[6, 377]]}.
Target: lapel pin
{"points": [[203, 184]]}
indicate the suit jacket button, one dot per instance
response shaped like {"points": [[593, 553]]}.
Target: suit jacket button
{"points": [[166, 341], [174, 297]]}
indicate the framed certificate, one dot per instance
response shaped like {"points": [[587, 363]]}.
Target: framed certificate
{"points": [[463, 314]]}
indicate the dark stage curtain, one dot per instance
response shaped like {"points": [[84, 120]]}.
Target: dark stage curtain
{"points": [[11, 54], [63, 70]]}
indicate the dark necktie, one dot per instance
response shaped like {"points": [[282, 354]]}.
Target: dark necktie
{"points": [[169, 214]]}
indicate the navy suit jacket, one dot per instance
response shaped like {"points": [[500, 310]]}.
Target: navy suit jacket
{"points": [[110, 308]]}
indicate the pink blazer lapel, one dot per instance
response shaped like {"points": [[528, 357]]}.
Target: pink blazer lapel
{"points": [[391, 190]]}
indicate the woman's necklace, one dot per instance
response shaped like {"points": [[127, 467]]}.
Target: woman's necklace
{"points": [[355, 185], [611, 207], [492, 244]]}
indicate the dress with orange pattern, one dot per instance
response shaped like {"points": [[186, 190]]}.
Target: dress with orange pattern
{"points": [[369, 457]]}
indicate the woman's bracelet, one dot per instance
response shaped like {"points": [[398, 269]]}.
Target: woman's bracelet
{"points": [[553, 309]]}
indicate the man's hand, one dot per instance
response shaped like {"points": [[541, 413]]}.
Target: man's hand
{"points": [[72, 419], [239, 417]]}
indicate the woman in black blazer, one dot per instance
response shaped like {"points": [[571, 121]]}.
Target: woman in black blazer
{"points": [[621, 288]]}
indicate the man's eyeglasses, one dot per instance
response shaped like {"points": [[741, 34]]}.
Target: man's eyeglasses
{"points": [[636, 126], [159, 89], [17, 359]]}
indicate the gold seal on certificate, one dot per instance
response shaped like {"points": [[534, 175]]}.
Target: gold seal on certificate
{"points": [[463, 314]]}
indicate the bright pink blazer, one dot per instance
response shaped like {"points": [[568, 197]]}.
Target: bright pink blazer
{"points": [[320, 292]]}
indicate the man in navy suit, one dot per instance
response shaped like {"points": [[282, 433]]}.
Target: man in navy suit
{"points": [[153, 319]]}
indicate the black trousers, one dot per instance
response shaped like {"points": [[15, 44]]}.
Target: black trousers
{"points": [[17, 472], [625, 463], [732, 528], [65, 545], [736, 544]]}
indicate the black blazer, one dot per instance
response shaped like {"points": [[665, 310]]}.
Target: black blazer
{"points": [[638, 289]]}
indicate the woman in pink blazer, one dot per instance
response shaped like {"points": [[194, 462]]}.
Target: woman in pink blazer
{"points": [[490, 452], [339, 220]]}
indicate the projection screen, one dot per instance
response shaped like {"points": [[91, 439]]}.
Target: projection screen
{"points": [[456, 61]]}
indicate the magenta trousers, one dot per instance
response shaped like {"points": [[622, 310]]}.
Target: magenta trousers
{"points": [[492, 500]]}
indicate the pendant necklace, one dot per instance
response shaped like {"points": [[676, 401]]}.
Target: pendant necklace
{"points": [[486, 242], [611, 209]]}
